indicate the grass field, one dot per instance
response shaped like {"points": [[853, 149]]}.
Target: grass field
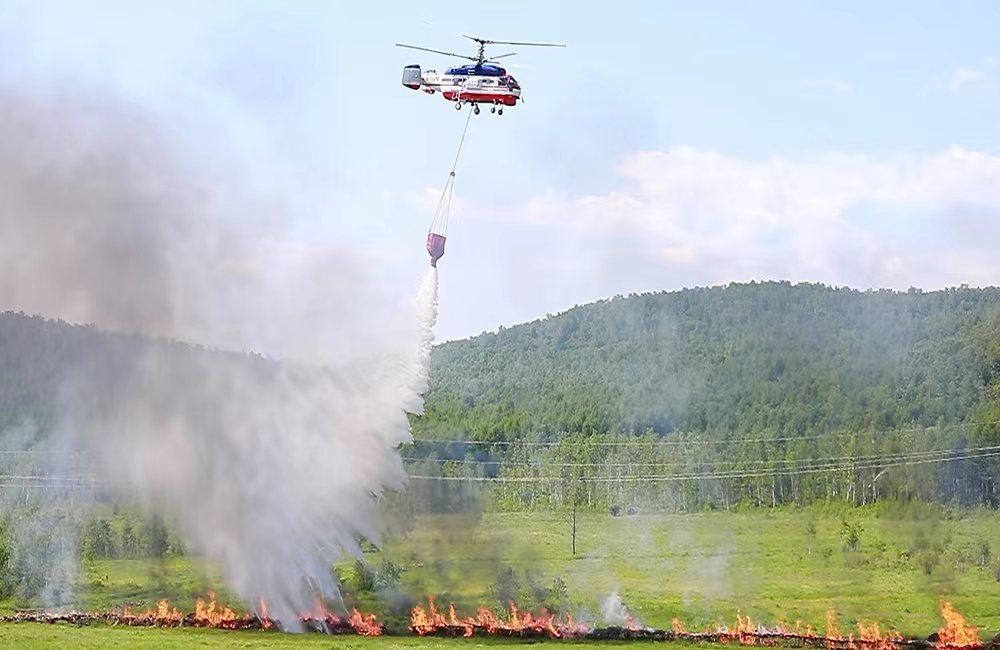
{"points": [[773, 565], [787, 565], [44, 637]]}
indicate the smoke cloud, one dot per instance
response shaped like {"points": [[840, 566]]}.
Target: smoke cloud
{"points": [[270, 465], [614, 612]]}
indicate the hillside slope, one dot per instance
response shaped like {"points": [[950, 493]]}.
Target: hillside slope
{"points": [[759, 357], [770, 357]]}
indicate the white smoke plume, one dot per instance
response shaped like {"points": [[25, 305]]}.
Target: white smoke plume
{"points": [[614, 612], [270, 465]]}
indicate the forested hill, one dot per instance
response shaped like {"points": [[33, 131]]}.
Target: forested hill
{"points": [[746, 358], [47, 363], [758, 357]]}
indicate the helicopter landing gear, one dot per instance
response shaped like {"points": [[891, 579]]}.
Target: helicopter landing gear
{"points": [[494, 109], [458, 106], [476, 109], [500, 112]]}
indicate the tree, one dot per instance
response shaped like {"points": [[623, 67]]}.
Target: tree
{"points": [[98, 539], [850, 534], [129, 544], [156, 537], [6, 584]]}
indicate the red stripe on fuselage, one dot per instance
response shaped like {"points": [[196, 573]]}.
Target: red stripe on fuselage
{"points": [[485, 98]]}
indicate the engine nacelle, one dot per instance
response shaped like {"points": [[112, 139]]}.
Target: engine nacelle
{"points": [[411, 77]]}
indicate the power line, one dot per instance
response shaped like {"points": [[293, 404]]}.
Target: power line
{"points": [[725, 475], [31, 482]]}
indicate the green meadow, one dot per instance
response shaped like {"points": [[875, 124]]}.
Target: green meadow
{"points": [[892, 565]]}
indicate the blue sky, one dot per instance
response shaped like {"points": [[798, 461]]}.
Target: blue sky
{"points": [[670, 144]]}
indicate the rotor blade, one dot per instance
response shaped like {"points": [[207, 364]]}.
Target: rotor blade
{"points": [[427, 49], [523, 43], [494, 58]]}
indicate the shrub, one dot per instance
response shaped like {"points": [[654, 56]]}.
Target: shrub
{"points": [[850, 534], [507, 588], [388, 576], [984, 554], [363, 578], [929, 560]]}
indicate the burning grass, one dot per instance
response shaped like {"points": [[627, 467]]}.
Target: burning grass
{"points": [[211, 614], [956, 634], [433, 621]]}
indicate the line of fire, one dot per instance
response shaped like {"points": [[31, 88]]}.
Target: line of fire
{"points": [[433, 621]]}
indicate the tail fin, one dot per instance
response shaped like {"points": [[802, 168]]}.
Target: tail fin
{"points": [[411, 77]]}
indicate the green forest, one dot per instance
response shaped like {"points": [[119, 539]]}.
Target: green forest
{"points": [[746, 358]]}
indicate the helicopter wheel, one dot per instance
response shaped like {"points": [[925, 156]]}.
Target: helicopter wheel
{"points": [[458, 106], [476, 109], [493, 110], [500, 112]]}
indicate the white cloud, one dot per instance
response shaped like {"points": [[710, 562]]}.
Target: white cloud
{"points": [[702, 217], [832, 85], [983, 72], [963, 76]]}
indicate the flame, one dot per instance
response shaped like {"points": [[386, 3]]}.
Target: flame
{"points": [[872, 637], [956, 633], [212, 615], [431, 620], [748, 632], [165, 612], [265, 619], [162, 616], [832, 628], [423, 622], [468, 624], [365, 624], [571, 628]]}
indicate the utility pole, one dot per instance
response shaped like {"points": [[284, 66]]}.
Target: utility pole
{"points": [[574, 523]]}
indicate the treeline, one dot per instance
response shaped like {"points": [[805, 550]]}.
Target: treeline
{"points": [[955, 464], [37, 555], [128, 537]]}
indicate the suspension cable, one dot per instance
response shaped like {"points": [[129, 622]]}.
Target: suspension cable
{"points": [[440, 222]]}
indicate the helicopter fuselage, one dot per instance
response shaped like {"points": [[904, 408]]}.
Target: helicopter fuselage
{"points": [[469, 84]]}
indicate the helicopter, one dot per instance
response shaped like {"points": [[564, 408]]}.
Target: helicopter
{"points": [[480, 82]]}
